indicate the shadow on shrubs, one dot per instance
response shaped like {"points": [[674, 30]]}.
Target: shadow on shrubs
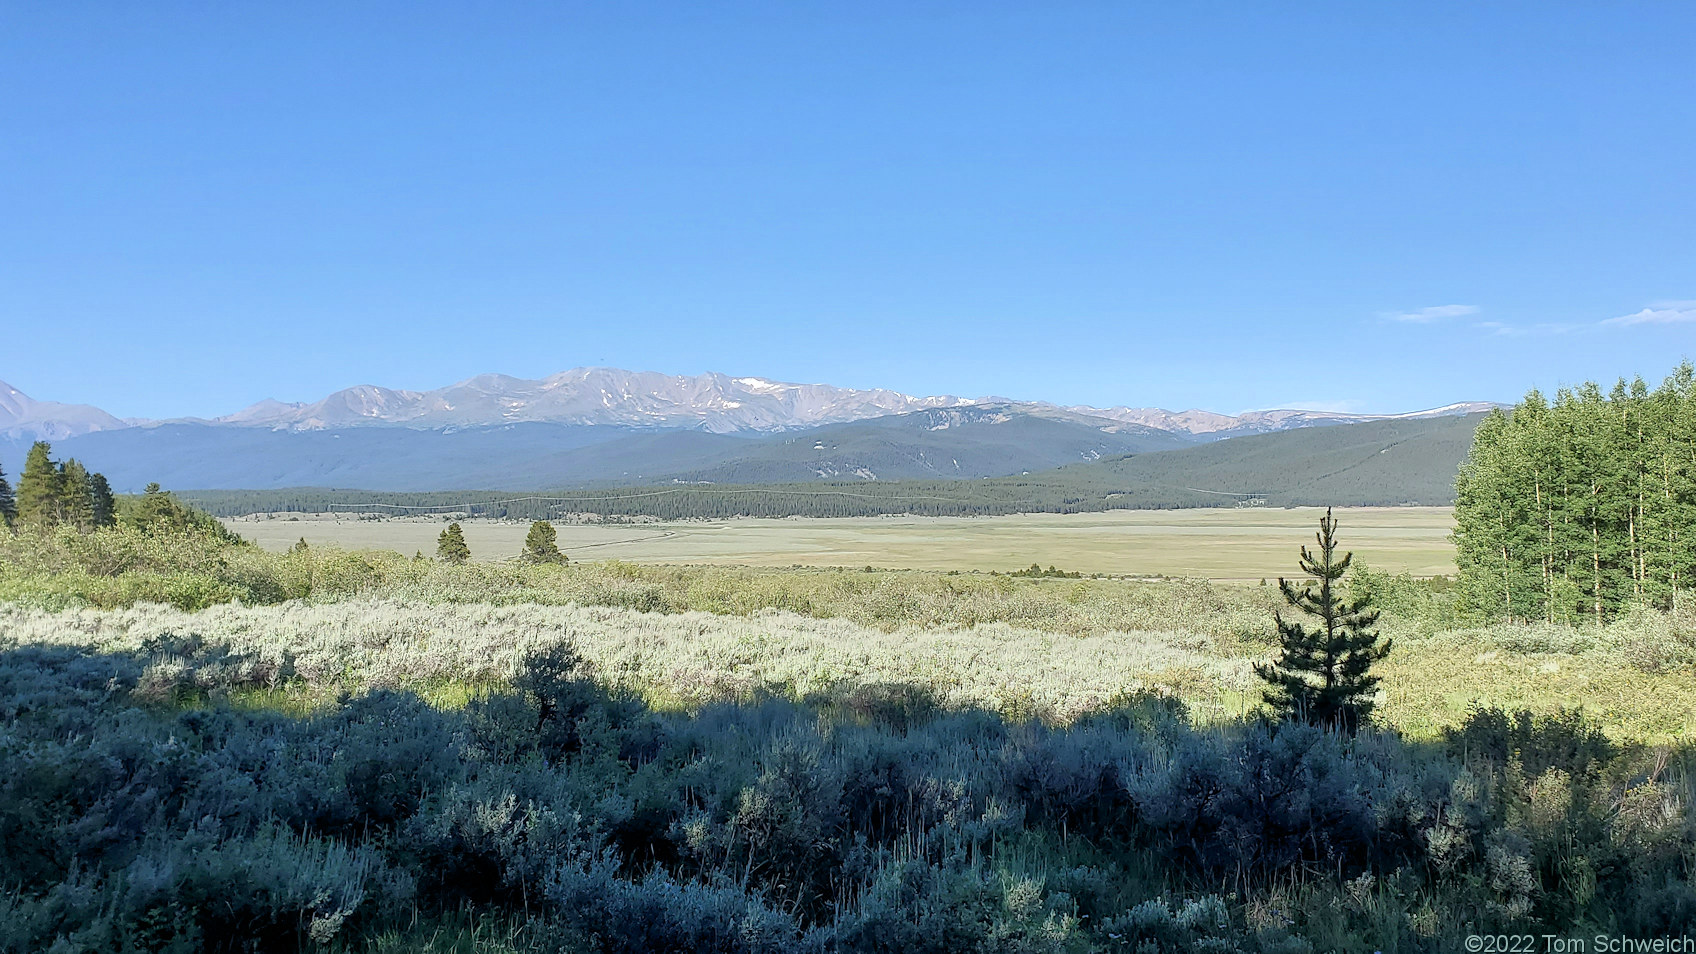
{"points": [[138, 811]]}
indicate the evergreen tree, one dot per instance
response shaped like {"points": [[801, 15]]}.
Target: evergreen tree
{"points": [[105, 506], [1322, 675], [8, 503], [159, 511], [451, 546], [156, 510], [76, 498], [540, 544], [39, 491]]}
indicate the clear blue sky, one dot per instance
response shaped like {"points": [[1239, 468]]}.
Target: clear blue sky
{"points": [[1370, 205]]}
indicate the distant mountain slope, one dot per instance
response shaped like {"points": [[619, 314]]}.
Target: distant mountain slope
{"points": [[516, 457], [1379, 463], [599, 396], [1393, 462], [977, 441], [22, 416], [1207, 426], [949, 443]]}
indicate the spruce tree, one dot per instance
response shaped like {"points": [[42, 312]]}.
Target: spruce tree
{"points": [[540, 544], [76, 495], [39, 493], [158, 511], [451, 546], [8, 503], [1322, 675], [105, 505]]}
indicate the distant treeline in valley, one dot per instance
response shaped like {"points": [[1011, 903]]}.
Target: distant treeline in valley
{"points": [[939, 498]]}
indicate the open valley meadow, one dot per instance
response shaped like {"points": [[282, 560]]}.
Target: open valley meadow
{"points": [[1248, 543], [827, 478]]}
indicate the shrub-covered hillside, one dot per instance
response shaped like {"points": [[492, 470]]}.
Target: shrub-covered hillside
{"points": [[149, 805], [204, 746]]}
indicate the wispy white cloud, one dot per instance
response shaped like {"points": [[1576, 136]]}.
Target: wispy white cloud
{"points": [[1433, 313], [1658, 313]]}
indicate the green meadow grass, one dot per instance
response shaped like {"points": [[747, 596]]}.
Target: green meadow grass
{"points": [[1232, 543]]}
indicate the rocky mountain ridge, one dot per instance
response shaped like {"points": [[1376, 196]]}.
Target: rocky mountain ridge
{"points": [[712, 402]]}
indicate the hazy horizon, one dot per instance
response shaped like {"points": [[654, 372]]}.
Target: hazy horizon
{"points": [[214, 414]]}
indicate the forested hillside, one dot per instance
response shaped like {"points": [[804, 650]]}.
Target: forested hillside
{"points": [[947, 443], [513, 457], [981, 441], [1379, 463]]}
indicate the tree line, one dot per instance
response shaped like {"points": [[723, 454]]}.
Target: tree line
{"points": [[57, 493], [983, 498], [53, 494], [1583, 506]]}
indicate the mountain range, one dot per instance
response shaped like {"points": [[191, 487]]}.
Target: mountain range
{"points": [[605, 427], [715, 403], [23, 416]]}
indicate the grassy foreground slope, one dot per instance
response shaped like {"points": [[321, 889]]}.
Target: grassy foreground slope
{"points": [[1638, 672], [395, 754], [338, 752], [1059, 651]]}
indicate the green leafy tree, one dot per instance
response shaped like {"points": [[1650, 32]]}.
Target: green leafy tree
{"points": [[40, 496], [1581, 507], [451, 546], [540, 544], [8, 503], [1322, 674]]}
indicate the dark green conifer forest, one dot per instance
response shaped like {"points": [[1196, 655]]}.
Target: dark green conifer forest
{"points": [[57, 493]]}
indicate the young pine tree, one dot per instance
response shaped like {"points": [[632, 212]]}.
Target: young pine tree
{"points": [[540, 544], [451, 547], [39, 491], [1322, 675]]}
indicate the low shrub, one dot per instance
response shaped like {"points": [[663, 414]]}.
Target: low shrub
{"points": [[141, 810]]}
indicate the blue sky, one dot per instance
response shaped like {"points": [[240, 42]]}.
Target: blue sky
{"points": [[1226, 206]]}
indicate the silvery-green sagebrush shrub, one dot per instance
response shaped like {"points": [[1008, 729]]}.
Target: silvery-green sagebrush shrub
{"points": [[145, 806]]}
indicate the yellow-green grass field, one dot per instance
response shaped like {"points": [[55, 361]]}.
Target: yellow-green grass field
{"points": [[1219, 544]]}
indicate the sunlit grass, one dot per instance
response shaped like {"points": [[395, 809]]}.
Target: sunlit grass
{"points": [[450, 653]]}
